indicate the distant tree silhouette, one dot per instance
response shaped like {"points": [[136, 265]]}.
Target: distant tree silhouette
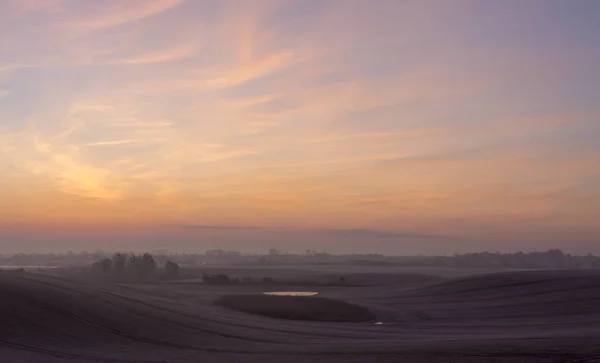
{"points": [[557, 258], [106, 265], [141, 265], [119, 261], [223, 279], [133, 264], [145, 265], [171, 269], [220, 252], [121, 265]]}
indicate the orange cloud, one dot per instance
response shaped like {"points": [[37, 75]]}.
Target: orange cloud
{"points": [[380, 134], [111, 142], [106, 16], [282, 118], [161, 56], [250, 70]]}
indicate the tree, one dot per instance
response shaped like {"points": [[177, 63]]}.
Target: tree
{"points": [[556, 258], [222, 279], [133, 264], [105, 266], [171, 269], [148, 264], [141, 265], [119, 261]]}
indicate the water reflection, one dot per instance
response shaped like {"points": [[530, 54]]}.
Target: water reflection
{"points": [[291, 293]]}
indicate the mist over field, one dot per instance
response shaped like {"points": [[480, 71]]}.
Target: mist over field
{"points": [[56, 239], [224, 305], [187, 181]]}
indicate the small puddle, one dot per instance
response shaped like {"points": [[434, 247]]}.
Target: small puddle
{"points": [[291, 293], [379, 323]]}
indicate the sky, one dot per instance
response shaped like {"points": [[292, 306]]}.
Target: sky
{"points": [[349, 125]]}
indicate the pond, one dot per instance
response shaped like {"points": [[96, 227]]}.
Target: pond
{"points": [[291, 293]]}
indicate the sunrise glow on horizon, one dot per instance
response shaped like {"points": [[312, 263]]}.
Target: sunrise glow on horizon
{"points": [[376, 122]]}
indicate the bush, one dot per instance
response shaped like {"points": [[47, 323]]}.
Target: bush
{"points": [[219, 279]]}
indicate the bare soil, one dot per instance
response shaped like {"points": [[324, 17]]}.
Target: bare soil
{"points": [[450, 316]]}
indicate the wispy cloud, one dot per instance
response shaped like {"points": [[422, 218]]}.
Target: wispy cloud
{"points": [[363, 234], [111, 143], [307, 114], [61, 165], [111, 14], [245, 72], [378, 135], [223, 227], [161, 56], [36, 5], [373, 233]]}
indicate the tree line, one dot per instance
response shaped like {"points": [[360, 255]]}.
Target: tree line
{"points": [[551, 259], [132, 265]]}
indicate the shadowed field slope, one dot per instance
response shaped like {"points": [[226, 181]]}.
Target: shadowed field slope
{"points": [[308, 308], [546, 296], [537, 317]]}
